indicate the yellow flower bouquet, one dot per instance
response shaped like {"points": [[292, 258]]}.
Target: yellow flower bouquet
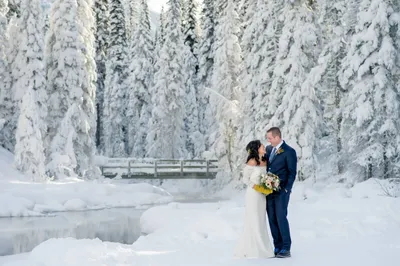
{"points": [[268, 184]]}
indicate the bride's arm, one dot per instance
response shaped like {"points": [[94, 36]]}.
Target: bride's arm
{"points": [[246, 176], [255, 177], [248, 173]]}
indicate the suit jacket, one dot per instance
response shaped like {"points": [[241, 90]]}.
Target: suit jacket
{"points": [[283, 165]]}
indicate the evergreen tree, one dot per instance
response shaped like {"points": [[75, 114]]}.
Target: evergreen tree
{"points": [[258, 37], [13, 65], [267, 55], [208, 125], [370, 75], [6, 104], [101, 37], [195, 140], [140, 82], [29, 149], [167, 137], [324, 78], [29, 152], [71, 79], [298, 112], [227, 67], [115, 95]]}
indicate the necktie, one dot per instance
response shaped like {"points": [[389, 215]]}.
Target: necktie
{"points": [[272, 155]]}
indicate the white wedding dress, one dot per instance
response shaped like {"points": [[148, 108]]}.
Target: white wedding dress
{"points": [[254, 241]]}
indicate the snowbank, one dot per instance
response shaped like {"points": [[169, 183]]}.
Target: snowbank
{"points": [[28, 199], [20, 197]]}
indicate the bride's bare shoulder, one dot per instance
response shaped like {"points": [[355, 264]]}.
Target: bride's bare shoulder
{"points": [[252, 162]]}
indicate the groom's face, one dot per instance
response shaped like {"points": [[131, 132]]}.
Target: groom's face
{"points": [[274, 140]]}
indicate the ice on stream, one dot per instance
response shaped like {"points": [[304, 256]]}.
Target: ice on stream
{"points": [[18, 235]]}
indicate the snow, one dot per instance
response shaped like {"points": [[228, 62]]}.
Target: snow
{"points": [[25, 198], [331, 225]]}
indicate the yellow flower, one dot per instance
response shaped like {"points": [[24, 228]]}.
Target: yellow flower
{"points": [[280, 151], [261, 189]]}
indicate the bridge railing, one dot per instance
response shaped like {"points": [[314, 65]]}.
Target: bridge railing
{"points": [[159, 169]]}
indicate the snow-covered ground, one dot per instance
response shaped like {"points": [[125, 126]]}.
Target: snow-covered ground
{"points": [[20, 197], [331, 225]]}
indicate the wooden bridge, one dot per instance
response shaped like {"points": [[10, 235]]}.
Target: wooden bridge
{"points": [[159, 169]]}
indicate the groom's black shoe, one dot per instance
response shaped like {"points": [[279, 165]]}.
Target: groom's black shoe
{"points": [[276, 251], [283, 254]]}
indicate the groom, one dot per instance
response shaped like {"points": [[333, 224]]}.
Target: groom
{"points": [[281, 161]]}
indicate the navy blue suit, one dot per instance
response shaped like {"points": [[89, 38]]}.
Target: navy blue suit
{"points": [[283, 165]]}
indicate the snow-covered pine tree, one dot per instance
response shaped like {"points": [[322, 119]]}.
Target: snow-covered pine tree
{"points": [[195, 140], [10, 78], [57, 43], [140, 80], [31, 82], [278, 54], [166, 138], [298, 111], [268, 54], [115, 92], [6, 104], [102, 35], [227, 92], [29, 152], [324, 78], [208, 124], [255, 43], [370, 74], [28, 47], [72, 86]]}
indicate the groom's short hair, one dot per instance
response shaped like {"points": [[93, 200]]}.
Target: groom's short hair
{"points": [[275, 131]]}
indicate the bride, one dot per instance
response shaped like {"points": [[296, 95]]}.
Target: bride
{"points": [[254, 241]]}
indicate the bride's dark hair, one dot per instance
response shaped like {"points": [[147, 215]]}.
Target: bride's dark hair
{"points": [[252, 151]]}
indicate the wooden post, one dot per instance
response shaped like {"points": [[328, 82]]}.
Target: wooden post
{"points": [[208, 167], [129, 168], [155, 168], [181, 167]]}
